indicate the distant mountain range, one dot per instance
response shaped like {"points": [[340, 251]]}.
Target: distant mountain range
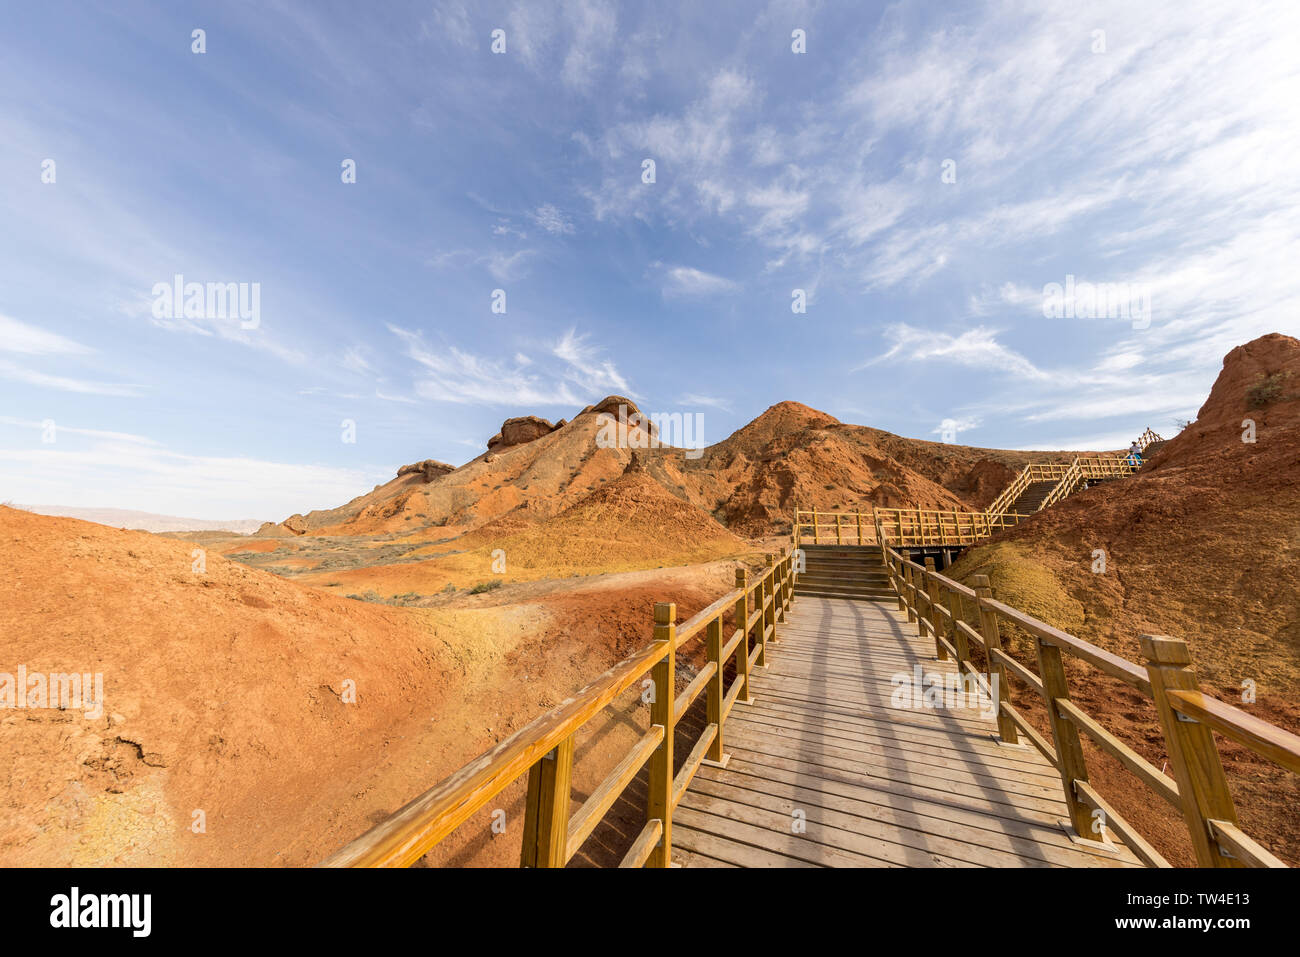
{"points": [[145, 521]]}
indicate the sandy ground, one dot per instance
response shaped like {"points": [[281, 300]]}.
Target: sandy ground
{"points": [[224, 694]]}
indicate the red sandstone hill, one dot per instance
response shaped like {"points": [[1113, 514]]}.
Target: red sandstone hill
{"points": [[632, 520], [750, 482]]}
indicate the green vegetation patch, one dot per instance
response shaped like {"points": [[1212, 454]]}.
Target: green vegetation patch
{"points": [[1266, 389]]}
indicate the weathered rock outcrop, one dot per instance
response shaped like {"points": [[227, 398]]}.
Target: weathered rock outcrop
{"points": [[293, 525], [519, 430], [612, 404], [429, 469]]}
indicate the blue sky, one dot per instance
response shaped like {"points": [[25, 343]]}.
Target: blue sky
{"points": [[1159, 153]]}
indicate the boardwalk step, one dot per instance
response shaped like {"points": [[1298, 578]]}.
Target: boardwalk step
{"points": [[871, 584], [819, 593], [836, 584]]}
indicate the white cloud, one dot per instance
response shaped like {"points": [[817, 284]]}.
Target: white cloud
{"points": [[458, 376], [551, 220], [688, 281], [17, 373], [454, 375], [73, 430], [976, 347], [953, 426], [20, 337], [587, 367], [354, 360], [503, 266], [139, 474], [594, 28], [694, 399]]}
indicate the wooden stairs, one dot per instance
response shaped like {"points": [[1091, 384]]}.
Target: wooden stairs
{"points": [[853, 572], [1031, 499]]}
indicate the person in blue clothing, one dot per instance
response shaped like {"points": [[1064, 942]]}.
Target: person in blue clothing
{"points": [[1135, 455]]}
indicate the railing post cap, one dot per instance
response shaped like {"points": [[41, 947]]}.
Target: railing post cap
{"points": [[929, 563], [742, 575], [665, 612], [980, 581], [1162, 650], [771, 559]]}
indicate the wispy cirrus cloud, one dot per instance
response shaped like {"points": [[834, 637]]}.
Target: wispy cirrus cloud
{"points": [[587, 366], [503, 266], [31, 340], [63, 383], [977, 348], [707, 401], [459, 376], [687, 281]]}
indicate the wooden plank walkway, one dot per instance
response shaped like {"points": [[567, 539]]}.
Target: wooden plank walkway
{"points": [[820, 748]]}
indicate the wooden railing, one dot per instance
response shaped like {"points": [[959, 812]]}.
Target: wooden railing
{"points": [[921, 527], [839, 528], [907, 526], [544, 748], [1033, 472], [1147, 437], [1068, 478], [959, 618], [1082, 470]]}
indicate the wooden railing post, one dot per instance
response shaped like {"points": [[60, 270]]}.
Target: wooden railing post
{"points": [[897, 577], [914, 608], [742, 619], [816, 530], [993, 642], [769, 616], [1069, 750], [659, 803], [774, 570], [778, 588], [859, 517], [790, 577], [960, 643], [546, 809], [839, 528], [787, 579], [717, 689], [1193, 756], [761, 592], [932, 592]]}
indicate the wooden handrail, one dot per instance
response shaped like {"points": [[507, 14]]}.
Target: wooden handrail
{"points": [[1012, 491], [1277, 744], [1148, 437], [544, 747], [1198, 787], [911, 526], [922, 527], [1067, 477]]}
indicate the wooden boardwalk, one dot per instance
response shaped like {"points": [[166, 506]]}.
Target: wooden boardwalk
{"points": [[823, 772]]}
